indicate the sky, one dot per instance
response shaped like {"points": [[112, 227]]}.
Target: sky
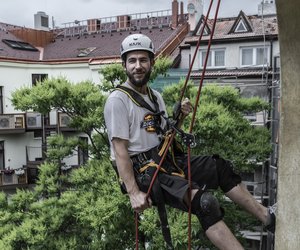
{"points": [[21, 12]]}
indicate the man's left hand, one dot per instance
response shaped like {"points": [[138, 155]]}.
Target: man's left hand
{"points": [[186, 107]]}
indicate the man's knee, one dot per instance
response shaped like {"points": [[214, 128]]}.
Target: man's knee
{"points": [[207, 209]]}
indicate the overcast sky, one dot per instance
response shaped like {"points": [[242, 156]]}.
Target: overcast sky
{"points": [[21, 12]]}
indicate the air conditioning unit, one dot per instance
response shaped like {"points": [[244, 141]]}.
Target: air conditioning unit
{"points": [[33, 120], [64, 120], [7, 122]]}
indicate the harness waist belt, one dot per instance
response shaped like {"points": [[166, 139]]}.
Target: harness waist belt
{"points": [[142, 157]]}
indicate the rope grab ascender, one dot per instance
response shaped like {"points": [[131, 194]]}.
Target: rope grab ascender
{"points": [[187, 138]]}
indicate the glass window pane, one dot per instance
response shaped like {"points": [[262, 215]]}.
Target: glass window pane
{"points": [[219, 58], [247, 56], [203, 59], [240, 27], [261, 53]]}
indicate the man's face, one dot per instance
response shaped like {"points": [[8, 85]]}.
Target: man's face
{"points": [[138, 67]]}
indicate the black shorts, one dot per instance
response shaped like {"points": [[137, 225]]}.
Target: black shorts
{"points": [[207, 173]]}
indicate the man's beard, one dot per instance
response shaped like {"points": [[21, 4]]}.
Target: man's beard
{"points": [[141, 82]]}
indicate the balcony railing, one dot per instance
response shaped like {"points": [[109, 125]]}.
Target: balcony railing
{"points": [[35, 154], [13, 177]]}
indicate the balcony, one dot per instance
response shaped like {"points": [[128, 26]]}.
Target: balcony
{"points": [[12, 123], [13, 178]]}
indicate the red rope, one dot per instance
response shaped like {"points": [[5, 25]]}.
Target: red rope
{"points": [[194, 115], [136, 231], [196, 51], [204, 66]]}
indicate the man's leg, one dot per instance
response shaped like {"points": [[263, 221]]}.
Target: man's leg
{"points": [[240, 195], [231, 184], [210, 216], [220, 235]]}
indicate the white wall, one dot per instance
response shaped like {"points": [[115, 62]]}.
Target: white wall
{"points": [[17, 75], [15, 148]]}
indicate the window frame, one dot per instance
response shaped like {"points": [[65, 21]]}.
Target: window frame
{"points": [[83, 153], [2, 152], [36, 78], [266, 56], [211, 64], [241, 23], [19, 45], [1, 100]]}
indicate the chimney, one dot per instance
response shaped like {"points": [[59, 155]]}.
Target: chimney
{"points": [[93, 25], [267, 7], [181, 13], [41, 21], [175, 14], [195, 11], [123, 22]]}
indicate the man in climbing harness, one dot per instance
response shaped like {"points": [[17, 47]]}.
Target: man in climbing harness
{"points": [[135, 117]]}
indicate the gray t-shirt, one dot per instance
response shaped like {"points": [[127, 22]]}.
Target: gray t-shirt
{"points": [[125, 120]]}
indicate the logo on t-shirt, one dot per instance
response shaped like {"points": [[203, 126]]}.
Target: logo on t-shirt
{"points": [[149, 123]]}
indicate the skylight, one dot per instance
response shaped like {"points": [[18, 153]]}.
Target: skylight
{"points": [[85, 51], [19, 45]]}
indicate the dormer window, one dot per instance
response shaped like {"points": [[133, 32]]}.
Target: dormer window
{"points": [[206, 31], [241, 24], [19, 45], [241, 27]]}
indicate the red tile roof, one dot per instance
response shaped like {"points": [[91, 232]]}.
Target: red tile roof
{"points": [[8, 52], [107, 44], [267, 26], [102, 44]]}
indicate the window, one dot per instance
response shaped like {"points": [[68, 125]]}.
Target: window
{"points": [[19, 45], [2, 162], [44, 21], [247, 56], [216, 58], [241, 27], [83, 153], [254, 56], [1, 100], [38, 78]]}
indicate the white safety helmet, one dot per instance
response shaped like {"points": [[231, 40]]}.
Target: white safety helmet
{"points": [[136, 42]]}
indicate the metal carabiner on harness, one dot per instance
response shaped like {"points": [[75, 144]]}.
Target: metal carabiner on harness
{"points": [[187, 138]]}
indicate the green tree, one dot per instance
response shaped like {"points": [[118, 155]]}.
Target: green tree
{"points": [[220, 126], [83, 102]]}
